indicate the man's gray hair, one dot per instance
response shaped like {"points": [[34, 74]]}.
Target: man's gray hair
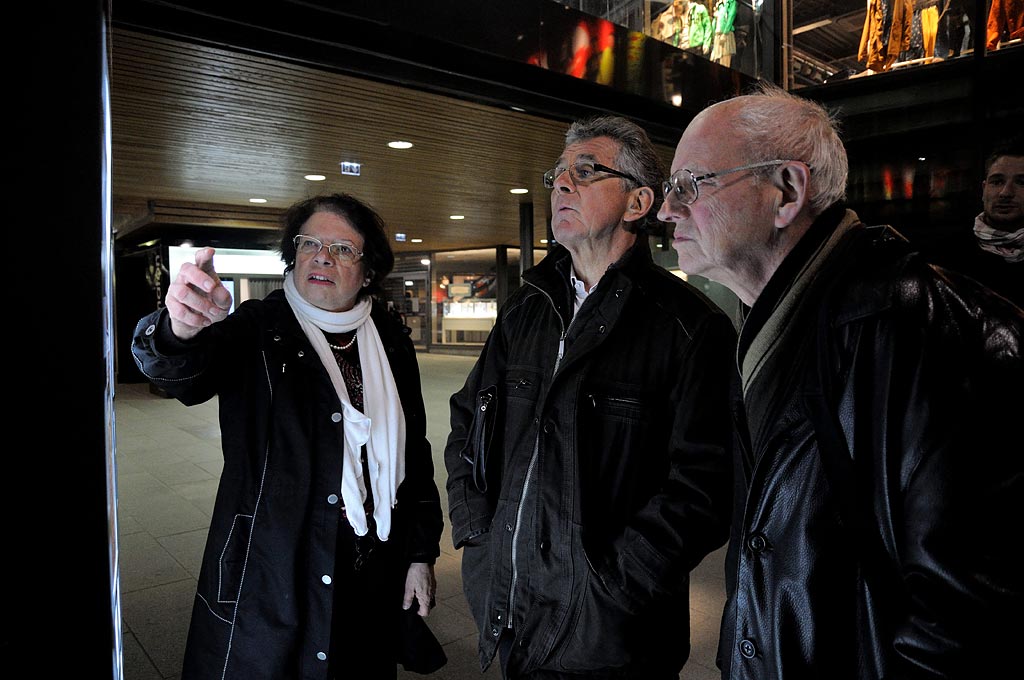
{"points": [[636, 157], [778, 124]]}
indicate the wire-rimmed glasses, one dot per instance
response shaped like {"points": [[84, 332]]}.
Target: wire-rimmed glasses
{"points": [[682, 185], [342, 251], [583, 173]]}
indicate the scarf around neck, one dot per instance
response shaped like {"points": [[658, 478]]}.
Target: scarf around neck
{"points": [[381, 428], [1008, 245]]}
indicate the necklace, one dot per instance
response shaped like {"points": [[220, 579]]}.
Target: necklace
{"points": [[345, 346]]}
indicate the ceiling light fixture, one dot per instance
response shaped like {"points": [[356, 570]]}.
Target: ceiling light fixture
{"points": [[257, 200], [519, 191], [416, 240], [425, 261], [543, 240], [315, 178], [456, 217], [400, 145]]}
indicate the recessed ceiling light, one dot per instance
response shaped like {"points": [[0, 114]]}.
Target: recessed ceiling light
{"points": [[315, 178], [425, 261], [516, 108], [186, 244], [456, 217], [257, 200], [410, 283], [519, 191], [416, 240], [400, 145], [543, 240]]}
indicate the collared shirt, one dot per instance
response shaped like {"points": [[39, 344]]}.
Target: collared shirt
{"points": [[579, 289]]}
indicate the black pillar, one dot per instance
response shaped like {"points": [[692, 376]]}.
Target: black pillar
{"points": [[525, 236], [501, 274]]}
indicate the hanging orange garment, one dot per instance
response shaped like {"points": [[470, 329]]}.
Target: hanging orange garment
{"points": [[874, 51], [1005, 22], [871, 45], [899, 35]]}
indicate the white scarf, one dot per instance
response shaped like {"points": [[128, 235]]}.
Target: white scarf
{"points": [[1008, 245], [381, 428]]}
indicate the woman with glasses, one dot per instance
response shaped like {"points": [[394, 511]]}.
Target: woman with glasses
{"points": [[327, 520]]}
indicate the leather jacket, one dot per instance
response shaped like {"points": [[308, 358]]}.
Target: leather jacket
{"points": [[588, 468], [879, 469]]}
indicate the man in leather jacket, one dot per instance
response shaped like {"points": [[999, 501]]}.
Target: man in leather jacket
{"points": [[588, 467], [878, 464]]}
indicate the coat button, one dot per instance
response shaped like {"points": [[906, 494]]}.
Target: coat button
{"points": [[321, 656], [508, 528], [336, 417], [326, 579], [495, 631], [600, 329], [333, 499], [748, 649], [523, 642], [548, 428], [757, 543], [301, 353], [545, 546], [151, 329]]}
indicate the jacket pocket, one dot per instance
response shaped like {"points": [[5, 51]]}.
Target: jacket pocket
{"points": [[597, 637], [481, 435], [232, 559]]}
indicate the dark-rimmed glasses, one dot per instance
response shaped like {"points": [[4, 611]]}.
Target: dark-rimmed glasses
{"points": [[342, 251], [682, 185], [583, 173]]}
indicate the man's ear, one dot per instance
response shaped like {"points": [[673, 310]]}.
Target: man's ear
{"points": [[793, 182], [640, 202]]}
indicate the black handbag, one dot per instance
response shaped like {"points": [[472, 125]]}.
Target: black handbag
{"points": [[418, 649]]}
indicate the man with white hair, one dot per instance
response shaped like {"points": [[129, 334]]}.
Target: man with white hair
{"points": [[878, 476]]}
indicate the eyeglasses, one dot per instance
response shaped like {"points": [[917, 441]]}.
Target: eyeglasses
{"points": [[342, 251], [583, 173], [682, 186]]}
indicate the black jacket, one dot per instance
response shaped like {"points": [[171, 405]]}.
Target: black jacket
{"points": [[880, 473], [261, 609], [606, 477]]}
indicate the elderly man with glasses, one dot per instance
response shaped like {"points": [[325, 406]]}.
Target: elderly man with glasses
{"points": [[588, 467], [879, 470]]}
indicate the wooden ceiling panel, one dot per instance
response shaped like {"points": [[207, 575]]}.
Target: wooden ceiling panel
{"points": [[194, 124]]}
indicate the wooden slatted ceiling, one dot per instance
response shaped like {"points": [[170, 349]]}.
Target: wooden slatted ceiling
{"points": [[194, 124]]}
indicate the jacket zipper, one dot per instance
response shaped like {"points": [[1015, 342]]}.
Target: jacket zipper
{"points": [[529, 468]]}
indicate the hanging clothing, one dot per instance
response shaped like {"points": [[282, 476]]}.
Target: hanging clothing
{"points": [[1005, 22], [886, 33]]}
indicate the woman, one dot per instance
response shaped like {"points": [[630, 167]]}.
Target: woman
{"points": [[327, 520]]}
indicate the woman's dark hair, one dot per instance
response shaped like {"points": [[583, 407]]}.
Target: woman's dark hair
{"points": [[378, 259]]}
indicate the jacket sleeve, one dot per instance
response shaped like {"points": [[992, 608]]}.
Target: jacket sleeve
{"points": [[469, 507], [689, 517], [936, 389], [183, 369]]}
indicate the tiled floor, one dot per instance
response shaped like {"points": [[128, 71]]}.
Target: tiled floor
{"points": [[168, 463]]}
